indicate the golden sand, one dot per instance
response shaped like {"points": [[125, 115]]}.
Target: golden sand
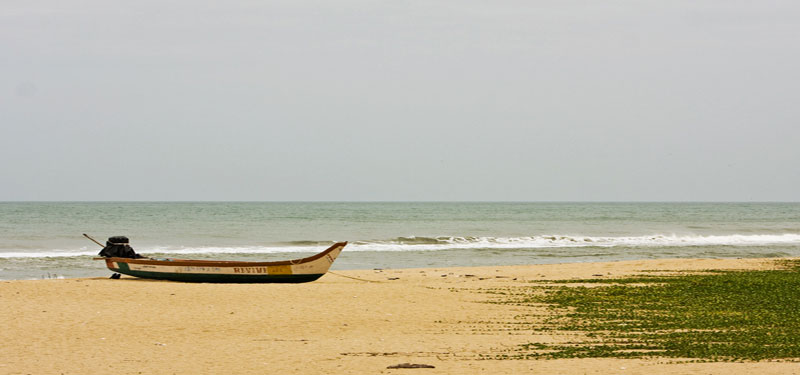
{"points": [[335, 325]]}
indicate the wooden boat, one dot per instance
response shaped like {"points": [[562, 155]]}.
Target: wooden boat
{"points": [[211, 271]]}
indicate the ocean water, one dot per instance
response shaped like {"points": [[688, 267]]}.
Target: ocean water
{"points": [[43, 239]]}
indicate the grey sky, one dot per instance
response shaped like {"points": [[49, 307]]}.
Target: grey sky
{"points": [[399, 100]]}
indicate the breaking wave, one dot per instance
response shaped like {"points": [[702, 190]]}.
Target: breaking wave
{"points": [[414, 243], [557, 241]]}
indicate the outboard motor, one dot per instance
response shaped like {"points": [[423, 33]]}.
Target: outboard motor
{"points": [[118, 247]]}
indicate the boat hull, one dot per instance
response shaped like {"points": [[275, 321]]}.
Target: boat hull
{"points": [[204, 271]]}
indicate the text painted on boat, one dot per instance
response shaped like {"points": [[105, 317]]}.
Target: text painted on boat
{"points": [[272, 270]]}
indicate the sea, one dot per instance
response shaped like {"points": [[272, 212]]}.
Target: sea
{"points": [[44, 240]]}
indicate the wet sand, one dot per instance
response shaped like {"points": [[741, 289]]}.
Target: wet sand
{"points": [[334, 325]]}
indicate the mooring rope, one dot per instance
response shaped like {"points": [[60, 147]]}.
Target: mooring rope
{"points": [[355, 278]]}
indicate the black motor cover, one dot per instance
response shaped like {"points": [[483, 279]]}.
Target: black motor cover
{"points": [[118, 247]]}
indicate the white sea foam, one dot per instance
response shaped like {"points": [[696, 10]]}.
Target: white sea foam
{"points": [[456, 243], [47, 254], [557, 241]]}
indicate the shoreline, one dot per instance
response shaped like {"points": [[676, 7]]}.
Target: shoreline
{"points": [[337, 324], [357, 264]]}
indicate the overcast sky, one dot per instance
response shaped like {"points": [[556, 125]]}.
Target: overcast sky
{"points": [[400, 100]]}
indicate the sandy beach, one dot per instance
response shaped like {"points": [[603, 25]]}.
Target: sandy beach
{"points": [[338, 324]]}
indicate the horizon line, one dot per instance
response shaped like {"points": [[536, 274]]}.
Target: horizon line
{"points": [[396, 201]]}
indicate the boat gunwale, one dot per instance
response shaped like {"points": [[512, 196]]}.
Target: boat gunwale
{"points": [[225, 263]]}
